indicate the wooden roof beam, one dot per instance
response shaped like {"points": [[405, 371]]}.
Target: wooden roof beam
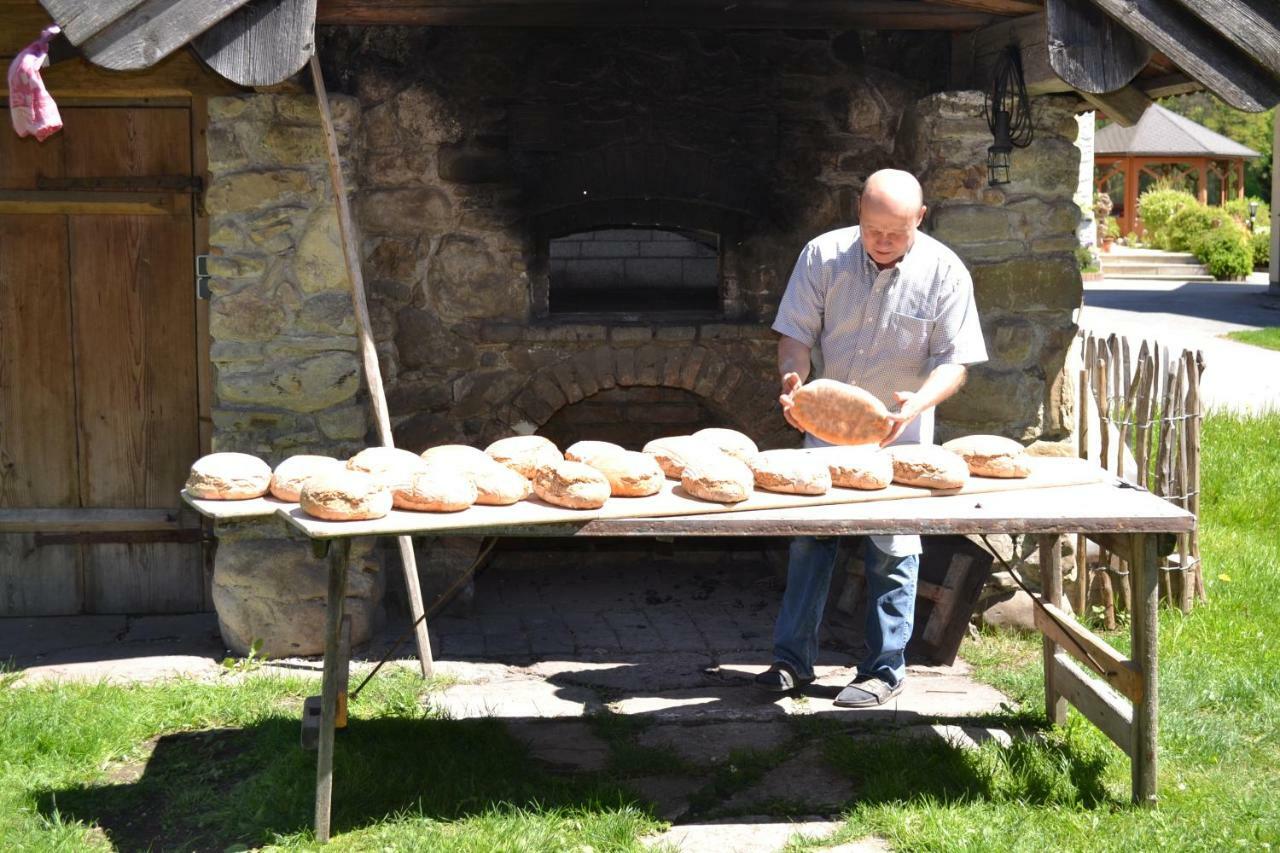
{"points": [[1253, 25], [1124, 106], [994, 7]]}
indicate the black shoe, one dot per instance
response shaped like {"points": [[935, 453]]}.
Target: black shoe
{"points": [[867, 691], [781, 678]]}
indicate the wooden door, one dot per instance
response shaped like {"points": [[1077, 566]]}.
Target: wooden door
{"points": [[99, 403]]}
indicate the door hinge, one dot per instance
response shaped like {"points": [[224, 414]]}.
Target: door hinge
{"points": [[202, 276]]}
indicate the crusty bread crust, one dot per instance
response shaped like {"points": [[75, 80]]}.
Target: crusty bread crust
{"points": [[630, 474], [673, 451], [865, 467], [525, 453], [792, 472], [586, 451], [291, 474], [228, 477], [736, 444], [929, 466], [719, 478], [840, 413], [439, 487], [992, 456], [573, 485], [341, 494]]}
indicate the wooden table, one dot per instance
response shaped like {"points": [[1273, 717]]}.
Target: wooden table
{"points": [[1119, 697]]}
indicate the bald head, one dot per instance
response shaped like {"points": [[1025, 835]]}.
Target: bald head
{"points": [[889, 212]]}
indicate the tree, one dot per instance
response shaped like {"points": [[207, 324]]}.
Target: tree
{"points": [[1251, 129]]}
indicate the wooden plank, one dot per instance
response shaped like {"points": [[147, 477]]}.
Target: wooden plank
{"points": [[157, 577], [37, 394], [1097, 702], [748, 14], [1252, 25], [64, 203], [70, 520], [1082, 644], [263, 507], [1167, 85], [152, 30], [1144, 630], [994, 7], [80, 19], [1198, 50], [1029, 34], [179, 75], [1089, 50], [38, 581], [1055, 705], [262, 43], [1125, 106], [339, 556]]}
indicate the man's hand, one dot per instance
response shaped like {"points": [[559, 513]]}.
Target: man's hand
{"points": [[908, 411], [790, 382]]}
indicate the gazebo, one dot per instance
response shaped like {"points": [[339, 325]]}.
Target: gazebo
{"points": [[1163, 144]]}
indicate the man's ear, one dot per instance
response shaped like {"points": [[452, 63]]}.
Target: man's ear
{"points": [[920, 218]]}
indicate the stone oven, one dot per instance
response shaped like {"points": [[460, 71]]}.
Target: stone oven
{"points": [[586, 232]]}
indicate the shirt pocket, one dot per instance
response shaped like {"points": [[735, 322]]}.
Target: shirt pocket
{"points": [[910, 335]]}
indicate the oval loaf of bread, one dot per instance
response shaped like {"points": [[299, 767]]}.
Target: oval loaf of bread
{"points": [[390, 466], [341, 494], [438, 487], [228, 477], [992, 455], [840, 413], [928, 465], [585, 451], [866, 467], [631, 474], [498, 485], [573, 485], [718, 477], [462, 455], [736, 444], [290, 475], [674, 451], [525, 453], [792, 472]]}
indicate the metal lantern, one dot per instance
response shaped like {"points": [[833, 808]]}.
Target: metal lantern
{"points": [[1008, 111]]}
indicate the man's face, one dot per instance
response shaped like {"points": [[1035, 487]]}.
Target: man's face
{"points": [[888, 234]]}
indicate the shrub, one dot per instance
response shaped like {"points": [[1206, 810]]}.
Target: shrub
{"points": [[1189, 223], [1157, 206], [1085, 259], [1226, 251], [1261, 249], [1239, 208], [1113, 228]]}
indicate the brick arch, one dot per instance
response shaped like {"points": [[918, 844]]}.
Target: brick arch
{"points": [[726, 388]]}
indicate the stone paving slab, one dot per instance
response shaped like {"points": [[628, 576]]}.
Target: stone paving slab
{"points": [[566, 744], [804, 779], [631, 673], [712, 744], [668, 794], [740, 835], [516, 699]]}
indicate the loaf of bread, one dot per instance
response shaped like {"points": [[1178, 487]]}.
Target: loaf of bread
{"points": [[928, 465], [793, 472], [439, 487], [228, 477], [498, 485], [866, 467], [718, 477], [461, 455], [573, 485], [840, 413], [292, 473], [992, 455], [525, 453], [730, 441], [673, 452], [342, 494], [586, 451], [390, 466], [630, 474]]}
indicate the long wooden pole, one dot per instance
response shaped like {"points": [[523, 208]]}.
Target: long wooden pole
{"points": [[369, 355]]}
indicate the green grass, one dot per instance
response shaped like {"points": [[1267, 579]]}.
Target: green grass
{"points": [[1268, 337]]}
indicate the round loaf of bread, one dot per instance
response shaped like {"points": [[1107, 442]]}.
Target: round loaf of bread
{"points": [[866, 467], [461, 455], [390, 466], [840, 413], [438, 487], [292, 473], [498, 485], [585, 451], [992, 455], [525, 453], [631, 474], [792, 472], [228, 477], [674, 451], [730, 441], [341, 494], [573, 485], [928, 465], [718, 477]]}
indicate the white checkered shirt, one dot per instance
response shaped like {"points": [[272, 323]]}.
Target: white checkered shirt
{"points": [[883, 330]]}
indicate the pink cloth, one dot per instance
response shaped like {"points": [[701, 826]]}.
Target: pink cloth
{"points": [[30, 105]]}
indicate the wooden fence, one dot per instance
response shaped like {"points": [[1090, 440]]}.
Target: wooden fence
{"points": [[1145, 409]]}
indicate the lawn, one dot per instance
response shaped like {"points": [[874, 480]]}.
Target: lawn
{"points": [[186, 765], [1268, 337]]}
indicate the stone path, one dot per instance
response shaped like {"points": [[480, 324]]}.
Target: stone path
{"points": [[672, 648]]}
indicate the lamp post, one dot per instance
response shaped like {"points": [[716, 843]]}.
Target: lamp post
{"points": [[1253, 212]]}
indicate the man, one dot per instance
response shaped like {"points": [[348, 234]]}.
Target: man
{"points": [[882, 306]]}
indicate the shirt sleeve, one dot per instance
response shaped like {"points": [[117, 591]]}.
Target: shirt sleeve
{"points": [[957, 334], [800, 312]]}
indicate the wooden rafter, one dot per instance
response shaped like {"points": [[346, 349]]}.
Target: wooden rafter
{"points": [[995, 7], [1253, 25]]}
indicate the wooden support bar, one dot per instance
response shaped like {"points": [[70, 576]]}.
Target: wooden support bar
{"points": [[59, 520], [1055, 706], [339, 555], [1145, 627], [1082, 644], [1099, 704], [1125, 106], [62, 203], [1119, 543]]}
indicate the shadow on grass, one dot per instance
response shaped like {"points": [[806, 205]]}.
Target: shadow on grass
{"points": [[208, 789]]}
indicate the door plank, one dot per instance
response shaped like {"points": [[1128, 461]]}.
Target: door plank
{"points": [[162, 577], [38, 581]]}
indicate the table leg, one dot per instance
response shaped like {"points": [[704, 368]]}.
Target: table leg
{"points": [[1055, 706], [1145, 569], [339, 555]]}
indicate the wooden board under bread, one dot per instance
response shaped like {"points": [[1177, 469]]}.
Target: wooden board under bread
{"points": [[672, 501], [263, 507]]}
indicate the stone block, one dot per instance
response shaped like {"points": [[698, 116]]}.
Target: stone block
{"points": [[245, 192], [306, 385], [328, 313], [1014, 342], [648, 364], [473, 164], [1022, 284], [676, 333], [422, 430], [349, 423], [319, 264], [425, 117], [564, 376], [691, 364], [245, 316], [429, 395], [422, 341], [976, 253], [626, 362], [630, 334], [1008, 402], [465, 280], [288, 145], [606, 370], [410, 210], [971, 223]]}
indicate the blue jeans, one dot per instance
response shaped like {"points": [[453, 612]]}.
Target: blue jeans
{"points": [[891, 603]]}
